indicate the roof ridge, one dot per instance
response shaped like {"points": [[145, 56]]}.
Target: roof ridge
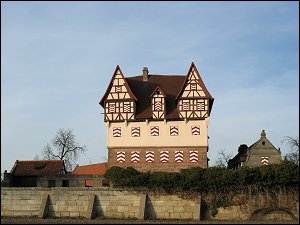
{"points": [[93, 164], [169, 75], [55, 160]]}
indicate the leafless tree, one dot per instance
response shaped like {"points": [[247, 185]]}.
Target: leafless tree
{"points": [[223, 158], [64, 147], [293, 144]]}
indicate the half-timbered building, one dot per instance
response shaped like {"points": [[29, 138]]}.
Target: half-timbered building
{"points": [[157, 122]]}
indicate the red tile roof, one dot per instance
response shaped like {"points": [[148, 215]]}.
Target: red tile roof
{"points": [[37, 167], [169, 84], [98, 168]]}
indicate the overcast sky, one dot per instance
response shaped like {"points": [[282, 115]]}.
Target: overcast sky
{"points": [[57, 59]]}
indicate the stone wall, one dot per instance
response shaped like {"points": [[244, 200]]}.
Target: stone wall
{"points": [[94, 202], [117, 203]]}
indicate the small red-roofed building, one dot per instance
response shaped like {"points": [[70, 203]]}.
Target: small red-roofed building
{"points": [[26, 173]]}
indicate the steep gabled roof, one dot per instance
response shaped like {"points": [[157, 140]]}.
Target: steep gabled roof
{"points": [[111, 83], [98, 168], [158, 89], [38, 167], [169, 84], [200, 81]]}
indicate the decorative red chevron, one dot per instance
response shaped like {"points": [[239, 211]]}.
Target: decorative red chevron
{"points": [[265, 160], [117, 132], [126, 108], [135, 156], [173, 131], [154, 131], [164, 156], [157, 106], [193, 156], [178, 156], [121, 157], [112, 108], [186, 106], [195, 130], [135, 131], [118, 88], [200, 106], [149, 156]]}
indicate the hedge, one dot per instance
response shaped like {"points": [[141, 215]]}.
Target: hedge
{"points": [[209, 180]]}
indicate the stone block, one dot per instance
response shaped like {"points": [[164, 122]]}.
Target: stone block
{"points": [[73, 197], [83, 198], [72, 208], [35, 207], [15, 207], [74, 214], [64, 214], [122, 208], [62, 208], [25, 207]]}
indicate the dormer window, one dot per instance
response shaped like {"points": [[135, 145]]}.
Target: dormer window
{"points": [[158, 100]]}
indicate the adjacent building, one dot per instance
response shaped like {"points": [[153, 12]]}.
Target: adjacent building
{"points": [[52, 173], [27, 173], [157, 122], [262, 152]]}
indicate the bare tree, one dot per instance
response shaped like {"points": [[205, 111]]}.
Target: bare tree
{"points": [[223, 158], [293, 144], [64, 147]]}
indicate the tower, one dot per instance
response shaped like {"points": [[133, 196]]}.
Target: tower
{"points": [[157, 122]]}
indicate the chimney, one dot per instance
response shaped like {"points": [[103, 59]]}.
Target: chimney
{"points": [[145, 74]]}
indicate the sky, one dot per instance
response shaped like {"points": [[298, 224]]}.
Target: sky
{"points": [[57, 59]]}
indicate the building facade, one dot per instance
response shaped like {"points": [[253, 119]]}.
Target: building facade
{"points": [[157, 122], [260, 153]]}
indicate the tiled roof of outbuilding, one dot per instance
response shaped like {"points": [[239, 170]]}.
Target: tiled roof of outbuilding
{"points": [[37, 167], [98, 168]]}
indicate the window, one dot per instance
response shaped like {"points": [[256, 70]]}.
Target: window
{"points": [[149, 156], [135, 132], [155, 131], [117, 132], [111, 107], [200, 106], [65, 183], [51, 183], [173, 131], [157, 106], [178, 156], [186, 106], [118, 88], [193, 87], [193, 156], [164, 156], [195, 130], [135, 156], [89, 183], [121, 157], [126, 107], [105, 183]]}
